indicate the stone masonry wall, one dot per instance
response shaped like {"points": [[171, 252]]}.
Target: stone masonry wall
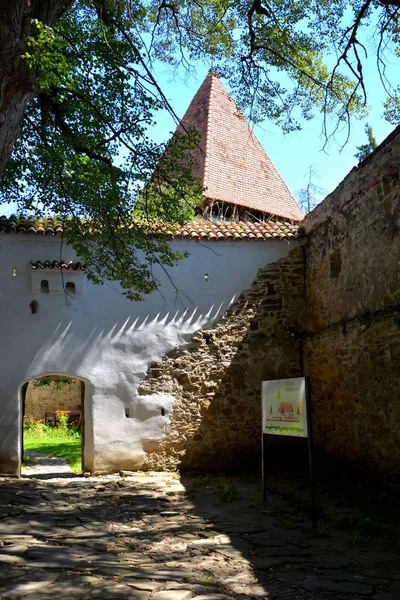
{"points": [[39, 400], [350, 337], [352, 348], [354, 372], [216, 422]]}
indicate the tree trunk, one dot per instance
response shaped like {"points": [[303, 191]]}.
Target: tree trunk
{"points": [[18, 84]]}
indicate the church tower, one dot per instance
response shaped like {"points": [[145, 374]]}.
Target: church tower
{"points": [[239, 180]]}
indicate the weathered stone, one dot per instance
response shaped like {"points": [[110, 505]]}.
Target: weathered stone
{"points": [[65, 588], [334, 562], [164, 575], [25, 585], [344, 587], [114, 591], [148, 586], [10, 559], [14, 549], [216, 418], [212, 597], [298, 565], [173, 595], [386, 596], [266, 563], [352, 346], [291, 576]]}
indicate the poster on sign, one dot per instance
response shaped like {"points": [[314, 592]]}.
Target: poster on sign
{"points": [[284, 407]]}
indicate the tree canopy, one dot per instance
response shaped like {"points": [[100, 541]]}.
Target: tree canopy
{"points": [[365, 149], [78, 95]]}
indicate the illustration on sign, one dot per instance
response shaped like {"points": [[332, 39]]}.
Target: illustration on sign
{"points": [[284, 410]]}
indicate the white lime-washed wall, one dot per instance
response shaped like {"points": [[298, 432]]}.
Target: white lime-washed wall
{"points": [[108, 341]]}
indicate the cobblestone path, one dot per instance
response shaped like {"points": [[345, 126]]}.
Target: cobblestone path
{"points": [[153, 537]]}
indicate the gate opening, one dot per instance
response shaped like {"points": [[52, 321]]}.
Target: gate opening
{"points": [[53, 418]]}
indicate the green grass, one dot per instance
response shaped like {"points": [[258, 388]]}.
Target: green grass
{"points": [[70, 450], [61, 441]]}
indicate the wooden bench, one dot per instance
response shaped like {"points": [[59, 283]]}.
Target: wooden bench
{"points": [[74, 417], [50, 418]]}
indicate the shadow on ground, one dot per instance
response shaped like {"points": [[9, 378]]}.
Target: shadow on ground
{"points": [[145, 536]]}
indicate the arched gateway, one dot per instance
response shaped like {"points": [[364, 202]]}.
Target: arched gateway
{"points": [[44, 398], [55, 321]]}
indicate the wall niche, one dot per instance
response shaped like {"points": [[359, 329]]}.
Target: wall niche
{"points": [[57, 278]]}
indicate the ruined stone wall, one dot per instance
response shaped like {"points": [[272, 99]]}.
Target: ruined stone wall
{"points": [[350, 335], [216, 422], [352, 349], [39, 400]]}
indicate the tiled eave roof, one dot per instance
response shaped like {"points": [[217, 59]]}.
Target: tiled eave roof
{"points": [[232, 230], [14, 224], [47, 264], [199, 229]]}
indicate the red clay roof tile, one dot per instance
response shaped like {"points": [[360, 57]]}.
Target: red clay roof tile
{"points": [[222, 230], [230, 161], [54, 264], [200, 228]]}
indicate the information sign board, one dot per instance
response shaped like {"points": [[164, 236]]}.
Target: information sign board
{"points": [[284, 407]]}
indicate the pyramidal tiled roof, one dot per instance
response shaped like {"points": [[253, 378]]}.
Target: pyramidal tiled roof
{"points": [[230, 161]]}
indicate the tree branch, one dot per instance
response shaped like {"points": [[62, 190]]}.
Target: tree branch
{"points": [[46, 102]]}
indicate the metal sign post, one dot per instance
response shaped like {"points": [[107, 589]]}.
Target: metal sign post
{"points": [[311, 457], [286, 411], [264, 483]]}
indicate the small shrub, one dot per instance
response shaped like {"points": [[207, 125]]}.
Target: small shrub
{"points": [[321, 531], [37, 429], [355, 536], [34, 427], [227, 492]]}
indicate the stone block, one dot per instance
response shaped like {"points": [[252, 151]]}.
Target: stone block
{"points": [[173, 595]]}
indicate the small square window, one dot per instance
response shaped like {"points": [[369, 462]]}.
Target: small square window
{"points": [[70, 287], [44, 286]]}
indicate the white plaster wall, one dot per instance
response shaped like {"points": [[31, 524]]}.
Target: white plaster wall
{"points": [[109, 341]]}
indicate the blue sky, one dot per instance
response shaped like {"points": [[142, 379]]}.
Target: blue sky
{"points": [[294, 153]]}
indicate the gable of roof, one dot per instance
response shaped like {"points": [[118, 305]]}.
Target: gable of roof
{"points": [[230, 161], [198, 229]]}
